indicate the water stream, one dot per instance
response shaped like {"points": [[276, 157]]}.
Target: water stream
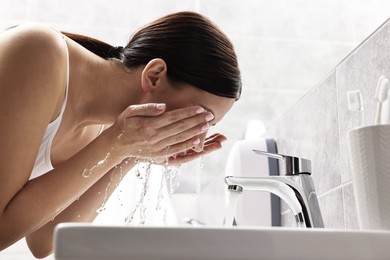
{"points": [[231, 208]]}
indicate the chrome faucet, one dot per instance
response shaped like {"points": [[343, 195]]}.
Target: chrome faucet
{"points": [[296, 188]]}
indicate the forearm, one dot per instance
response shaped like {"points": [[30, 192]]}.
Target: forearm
{"points": [[82, 210], [43, 198], [143, 131]]}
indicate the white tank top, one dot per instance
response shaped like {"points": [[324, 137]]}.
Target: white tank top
{"points": [[43, 163]]}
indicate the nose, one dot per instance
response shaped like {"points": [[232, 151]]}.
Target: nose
{"points": [[199, 147]]}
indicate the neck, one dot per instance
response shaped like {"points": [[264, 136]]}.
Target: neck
{"points": [[104, 91]]}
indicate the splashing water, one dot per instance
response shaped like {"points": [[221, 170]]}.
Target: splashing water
{"points": [[140, 203], [201, 164], [87, 172], [119, 197], [138, 174], [103, 206], [161, 191], [170, 173]]}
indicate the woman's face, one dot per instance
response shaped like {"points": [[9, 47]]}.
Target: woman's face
{"points": [[187, 95], [157, 87]]}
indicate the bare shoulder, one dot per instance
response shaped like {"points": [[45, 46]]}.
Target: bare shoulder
{"points": [[33, 59], [33, 66], [31, 34]]}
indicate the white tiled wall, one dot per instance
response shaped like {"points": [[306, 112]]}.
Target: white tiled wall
{"points": [[284, 48]]}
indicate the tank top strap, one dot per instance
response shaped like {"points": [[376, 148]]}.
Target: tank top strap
{"points": [[43, 161]]}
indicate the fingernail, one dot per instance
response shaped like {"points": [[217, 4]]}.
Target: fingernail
{"points": [[196, 141], [205, 127], [209, 117], [160, 106], [199, 110]]}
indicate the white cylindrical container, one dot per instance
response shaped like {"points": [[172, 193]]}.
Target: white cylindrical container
{"points": [[370, 162]]}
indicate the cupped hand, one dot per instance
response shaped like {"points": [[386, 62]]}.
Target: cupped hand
{"points": [[211, 144], [150, 132]]}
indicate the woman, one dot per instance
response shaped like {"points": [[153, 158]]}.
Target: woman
{"points": [[155, 98]]}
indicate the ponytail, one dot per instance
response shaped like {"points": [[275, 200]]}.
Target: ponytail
{"points": [[100, 48], [195, 50]]}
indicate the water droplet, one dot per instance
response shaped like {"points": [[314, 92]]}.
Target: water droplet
{"points": [[87, 172], [138, 174], [102, 207], [121, 135], [201, 165]]}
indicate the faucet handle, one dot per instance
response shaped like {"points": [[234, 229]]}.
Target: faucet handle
{"points": [[293, 165]]}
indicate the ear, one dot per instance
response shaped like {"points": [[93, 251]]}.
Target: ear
{"points": [[153, 74]]}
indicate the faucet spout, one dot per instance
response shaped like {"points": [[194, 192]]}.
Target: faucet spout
{"points": [[276, 185], [296, 189]]}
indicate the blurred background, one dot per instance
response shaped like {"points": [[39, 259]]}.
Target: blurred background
{"points": [[284, 48]]}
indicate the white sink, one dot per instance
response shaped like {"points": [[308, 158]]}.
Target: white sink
{"points": [[87, 242]]}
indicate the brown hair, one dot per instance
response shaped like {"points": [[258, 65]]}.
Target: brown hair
{"points": [[195, 50]]}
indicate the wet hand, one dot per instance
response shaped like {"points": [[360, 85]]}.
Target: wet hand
{"points": [[149, 131], [211, 144]]}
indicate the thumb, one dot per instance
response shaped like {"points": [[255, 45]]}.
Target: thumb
{"points": [[150, 109]]}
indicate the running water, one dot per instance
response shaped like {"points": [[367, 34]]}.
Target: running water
{"points": [[140, 203], [170, 173], [160, 196], [231, 207], [103, 206], [168, 180]]}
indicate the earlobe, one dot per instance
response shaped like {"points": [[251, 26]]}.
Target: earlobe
{"points": [[153, 74]]}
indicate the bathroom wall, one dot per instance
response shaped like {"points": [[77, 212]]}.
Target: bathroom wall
{"points": [[284, 48], [316, 127]]}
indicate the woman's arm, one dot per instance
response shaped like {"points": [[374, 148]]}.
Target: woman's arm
{"points": [[32, 76], [84, 209]]}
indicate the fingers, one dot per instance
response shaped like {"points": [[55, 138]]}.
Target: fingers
{"points": [[164, 131], [212, 144], [176, 148], [178, 115], [149, 131], [151, 109], [191, 155], [183, 130], [215, 138]]}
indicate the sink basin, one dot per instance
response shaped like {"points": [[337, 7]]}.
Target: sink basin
{"points": [[89, 241]]}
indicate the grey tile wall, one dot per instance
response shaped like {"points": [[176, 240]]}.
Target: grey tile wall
{"points": [[316, 127]]}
